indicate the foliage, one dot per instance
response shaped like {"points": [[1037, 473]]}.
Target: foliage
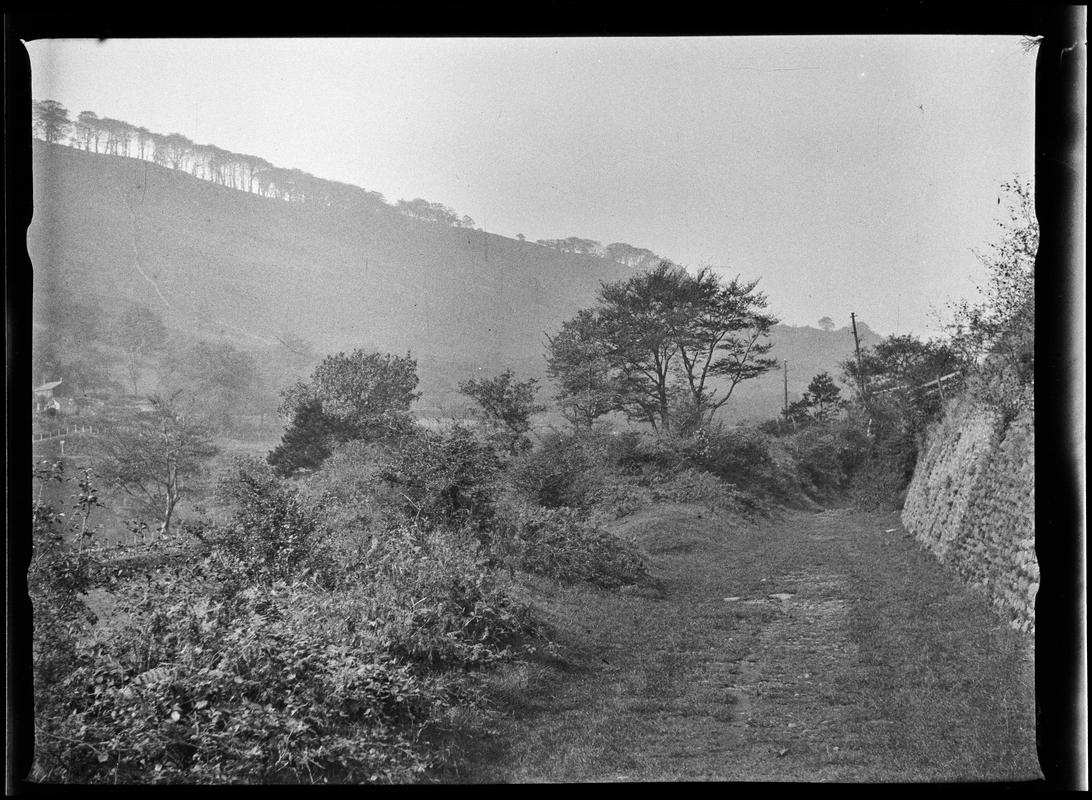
{"points": [[507, 405], [153, 455], [433, 597], [560, 544], [58, 576], [564, 472], [254, 657], [656, 342], [138, 332], [274, 533], [361, 395], [578, 362], [829, 457], [998, 333], [279, 684], [307, 442], [50, 120], [900, 376], [444, 477], [214, 378]]}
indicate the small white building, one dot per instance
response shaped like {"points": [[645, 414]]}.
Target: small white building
{"points": [[43, 397]]}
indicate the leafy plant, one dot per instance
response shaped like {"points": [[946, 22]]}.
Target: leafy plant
{"points": [[443, 477], [274, 534], [560, 544], [506, 406]]}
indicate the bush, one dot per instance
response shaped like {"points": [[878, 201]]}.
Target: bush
{"points": [[433, 598], [828, 457], [564, 472], [558, 544], [698, 486], [274, 534], [279, 684], [445, 478], [737, 455]]}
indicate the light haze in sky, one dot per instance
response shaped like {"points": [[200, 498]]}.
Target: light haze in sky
{"points": [[851, 173]]}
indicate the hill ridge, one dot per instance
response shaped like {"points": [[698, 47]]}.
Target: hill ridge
{"points": [[250, 268]]}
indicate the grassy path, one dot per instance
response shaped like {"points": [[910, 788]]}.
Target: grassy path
{"points": [[816, 647]]}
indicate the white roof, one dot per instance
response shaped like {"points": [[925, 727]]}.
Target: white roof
{"points": [[45, 387]]}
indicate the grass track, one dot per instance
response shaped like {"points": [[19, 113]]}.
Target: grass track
{"points": [[873, 665]]}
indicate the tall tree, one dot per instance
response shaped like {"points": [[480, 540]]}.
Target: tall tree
{"points": [[639, 319], [88, 129], [144, 141], [50, 120], [670, 342], [724, 333], [826, 323], [177, 150]]}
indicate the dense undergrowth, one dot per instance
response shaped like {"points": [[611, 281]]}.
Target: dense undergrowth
{"points": [[334, 627]]}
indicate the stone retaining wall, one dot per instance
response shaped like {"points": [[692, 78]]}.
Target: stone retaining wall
{"points": [[972, 503]]}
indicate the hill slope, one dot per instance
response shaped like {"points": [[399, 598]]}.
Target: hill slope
{"points": [[220, 262]]}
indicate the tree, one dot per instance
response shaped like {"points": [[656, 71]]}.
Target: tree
{"points": [[139, 332], [50, 120], [144, 141], [1002, 325], [444, 476], [153, 455], [361, 395], [307, 442], [671, 342], [826, 323], [901, 396], [577, 361], [725, 335], [822, 396], [88, 130], [215, 378], [274, 533], [362, 390], [634, 257], [507, 404], [177, 149]]}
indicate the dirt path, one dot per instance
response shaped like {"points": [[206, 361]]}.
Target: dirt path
{"points": [[818, 647]]}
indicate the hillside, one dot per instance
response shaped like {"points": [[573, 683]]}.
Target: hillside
{"points": [[220, 262]]}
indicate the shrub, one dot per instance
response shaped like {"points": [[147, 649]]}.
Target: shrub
{"points": [[564, 472], [736, 455], [557, 543], [279, 684], [433, 598], [697, 486], [445, 478], [274, 533], [828, 457]]}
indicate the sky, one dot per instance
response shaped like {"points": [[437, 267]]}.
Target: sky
{"points": [[849, 173]]}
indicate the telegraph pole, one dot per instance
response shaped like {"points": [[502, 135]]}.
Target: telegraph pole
{"points": [[857, 348], [786, 364]]}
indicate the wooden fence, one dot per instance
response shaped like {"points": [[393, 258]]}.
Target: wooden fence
{"points": [[71, 430]]}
